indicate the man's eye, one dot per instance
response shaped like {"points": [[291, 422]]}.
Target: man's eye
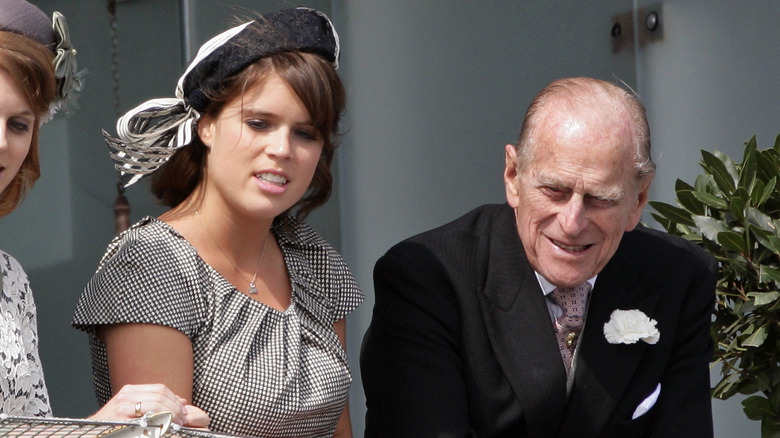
{"points": [[552, 191], [603, 202]]}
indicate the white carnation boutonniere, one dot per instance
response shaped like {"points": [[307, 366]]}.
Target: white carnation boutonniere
{"points": [[630, 326]]}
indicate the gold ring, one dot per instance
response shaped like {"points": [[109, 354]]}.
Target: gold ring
{"points": [[138, 412]]}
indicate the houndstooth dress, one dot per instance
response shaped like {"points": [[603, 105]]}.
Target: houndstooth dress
{"points": [[22, 388], [258, 371]]}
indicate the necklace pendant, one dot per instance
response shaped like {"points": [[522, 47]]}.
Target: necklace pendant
{"points": [[252, 288]]}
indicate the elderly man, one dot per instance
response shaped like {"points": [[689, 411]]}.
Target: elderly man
{"points": [[553, 314]]}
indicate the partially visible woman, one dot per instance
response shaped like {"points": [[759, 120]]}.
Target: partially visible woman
{"points": [[37, 75], [229, 298]]}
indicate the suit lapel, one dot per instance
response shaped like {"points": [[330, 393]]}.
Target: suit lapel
{"points": [[604, 370], [520, 329]]}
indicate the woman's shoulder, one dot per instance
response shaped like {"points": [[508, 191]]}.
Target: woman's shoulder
{"points": [[299, 238], [9, 264], [148, 237], [149, 274], [14, 279], [149, 230], [295, 232], [313, 262]]}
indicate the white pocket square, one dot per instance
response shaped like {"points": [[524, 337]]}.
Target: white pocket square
{"points": [[647, 403]]}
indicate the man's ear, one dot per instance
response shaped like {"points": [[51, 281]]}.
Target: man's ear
{"points": [[510, 175], [641, 202]]}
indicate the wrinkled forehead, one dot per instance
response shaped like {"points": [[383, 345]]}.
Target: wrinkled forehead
{"points": [[574, 143]]}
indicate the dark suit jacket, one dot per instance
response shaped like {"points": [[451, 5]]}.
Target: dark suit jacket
{"points": [[461, 342]]}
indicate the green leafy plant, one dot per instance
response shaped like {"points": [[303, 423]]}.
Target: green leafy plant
{"points": [[733, 211]]}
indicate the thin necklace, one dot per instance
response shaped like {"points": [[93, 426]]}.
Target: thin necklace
{"points": [[252, 287]]}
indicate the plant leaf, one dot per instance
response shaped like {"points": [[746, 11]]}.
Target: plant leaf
{"points": [[711, 200], [718, 171], [672, 213], [747, 176], [710, 227], [682, 185], [762, 298], [750, 146], [733, 241], [767, 164], [770, 427], [756, 407], [722, 170], [731, 166], [757, 217], [756, 338], [767, 238], [768, 274], [738, 204], [725, 388], [689, 202], [766, 193]]}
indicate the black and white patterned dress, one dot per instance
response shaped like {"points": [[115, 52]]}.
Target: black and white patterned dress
{"points": [[258, 371], [22, 388]]}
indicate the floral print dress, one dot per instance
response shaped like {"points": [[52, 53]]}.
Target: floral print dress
{"points": [[22, 388]]}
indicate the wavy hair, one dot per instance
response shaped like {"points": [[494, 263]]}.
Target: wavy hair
{"points": [[29, 65], [313, 79]]}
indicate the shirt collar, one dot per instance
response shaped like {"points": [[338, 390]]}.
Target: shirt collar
{"points": [[548, 287]]}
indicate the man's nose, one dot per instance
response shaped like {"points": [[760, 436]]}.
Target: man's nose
{"points": [[572, 217]]}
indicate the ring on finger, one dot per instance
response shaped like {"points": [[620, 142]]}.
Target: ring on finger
{"points": [[138, 412]]}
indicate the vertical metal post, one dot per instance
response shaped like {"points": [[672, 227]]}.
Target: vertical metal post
{"points": [[187, 19]]}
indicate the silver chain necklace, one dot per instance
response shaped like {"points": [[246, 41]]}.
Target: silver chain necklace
{"points": [[252, 287]]}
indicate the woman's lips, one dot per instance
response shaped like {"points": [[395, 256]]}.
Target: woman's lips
{"points": [[272, 178]]}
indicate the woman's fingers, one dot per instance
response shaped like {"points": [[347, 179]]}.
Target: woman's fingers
{"points": [[133, 401], [196, 417]]}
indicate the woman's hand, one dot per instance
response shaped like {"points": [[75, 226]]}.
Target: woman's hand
{"points": [[133, 401]]}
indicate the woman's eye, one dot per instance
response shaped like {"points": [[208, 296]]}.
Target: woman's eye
{"points": [[307, 134], [257, 124], [19, 126]]}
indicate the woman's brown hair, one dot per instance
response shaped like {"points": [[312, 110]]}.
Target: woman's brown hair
{"points": [[29, 65], [316, 83]]}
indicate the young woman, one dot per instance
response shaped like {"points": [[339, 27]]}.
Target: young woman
{"points": [[37, 75], [228, 298]]}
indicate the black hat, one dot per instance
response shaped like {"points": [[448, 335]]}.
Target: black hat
{"points": [[299, 29], [152, 132]]}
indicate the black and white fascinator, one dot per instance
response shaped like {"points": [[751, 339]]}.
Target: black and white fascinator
{"points": [[24, 18], [149, 134]]}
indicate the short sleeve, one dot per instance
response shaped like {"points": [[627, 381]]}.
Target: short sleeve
{"points": [[345, 294], [145, 277], [319, 268]]}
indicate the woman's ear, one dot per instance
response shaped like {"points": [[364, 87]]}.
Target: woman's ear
{"points": [[206, 130]]}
